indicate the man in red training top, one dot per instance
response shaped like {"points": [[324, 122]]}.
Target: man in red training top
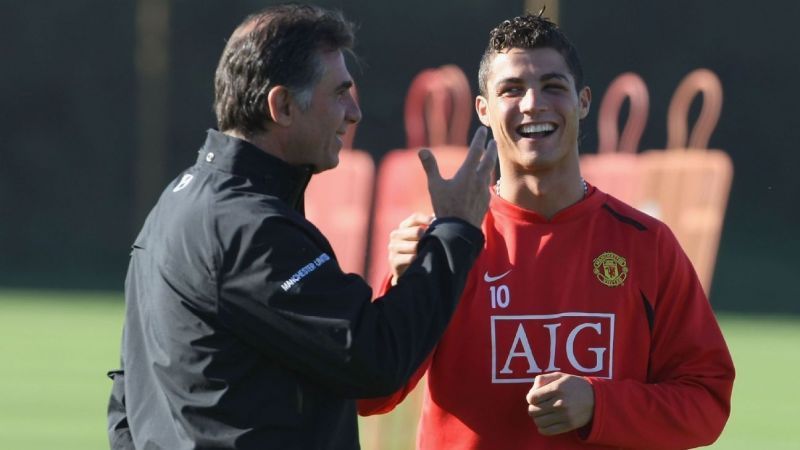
{"points": [[582, 324]]}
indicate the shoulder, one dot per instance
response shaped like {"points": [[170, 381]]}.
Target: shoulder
{"points": [[633, 217], [651, 249], [622, 223]]}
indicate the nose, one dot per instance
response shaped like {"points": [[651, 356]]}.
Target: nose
{"points": [[352, 113], [532, 101]]}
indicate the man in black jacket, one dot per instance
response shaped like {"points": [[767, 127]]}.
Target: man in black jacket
{"points": [[241, 331]]}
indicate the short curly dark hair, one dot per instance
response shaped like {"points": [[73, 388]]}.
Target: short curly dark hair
{"points": [[529, 31], [278, 46]]}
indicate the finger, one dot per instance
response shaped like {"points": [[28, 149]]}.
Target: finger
{"points": [[531, 392], [476, 147], [489, 160], [554, 429], [547, 420], [543, 380], [403, 247], [540, 395], [541, 409], [401, 262], [408, 234], [415, 220], [537, 394], [429, 166]]}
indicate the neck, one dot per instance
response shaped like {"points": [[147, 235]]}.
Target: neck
{"points": [[546, 195], [267, 142]]}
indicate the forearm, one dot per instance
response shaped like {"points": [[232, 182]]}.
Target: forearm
{"points": [[412, 316], [685, 413], [385, 404]]}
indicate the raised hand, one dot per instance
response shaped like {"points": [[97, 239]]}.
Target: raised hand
{"points": [[466, 195], [559, 402]]}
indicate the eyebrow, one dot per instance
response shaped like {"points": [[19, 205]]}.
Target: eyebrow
{"points": [[545, 77], [556, 75]]}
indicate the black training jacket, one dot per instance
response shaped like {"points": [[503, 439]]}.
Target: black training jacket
{"points": [[242, 332]]}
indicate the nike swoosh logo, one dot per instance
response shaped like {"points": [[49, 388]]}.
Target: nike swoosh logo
{"points": [[490, 279]]}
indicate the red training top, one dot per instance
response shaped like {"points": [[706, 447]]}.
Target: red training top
{"points": [[601, 290]]}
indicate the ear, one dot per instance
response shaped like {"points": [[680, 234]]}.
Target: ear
{"points": [[482, 108], [279, 105], [585, 100]]}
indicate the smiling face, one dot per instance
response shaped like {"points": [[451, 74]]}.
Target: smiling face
{"points": [[317, 131], [532, 106]]}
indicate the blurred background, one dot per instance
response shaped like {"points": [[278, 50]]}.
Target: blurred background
{"points": [[102, 103]]}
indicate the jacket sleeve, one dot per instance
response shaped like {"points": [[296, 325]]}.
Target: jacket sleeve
{"points": [[383, 405], [119, 434], [685, 402], [289, 299]]}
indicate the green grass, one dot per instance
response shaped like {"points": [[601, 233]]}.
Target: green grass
{"points": [[55, 349], [766, 352]]}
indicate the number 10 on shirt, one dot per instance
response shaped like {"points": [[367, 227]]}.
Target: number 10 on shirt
{"points": [[500, 295]]}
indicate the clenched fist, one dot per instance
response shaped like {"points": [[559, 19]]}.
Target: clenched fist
{"points": [[559, 403]]}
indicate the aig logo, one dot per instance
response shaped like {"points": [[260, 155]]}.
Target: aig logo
{"points": [[574, 342]]}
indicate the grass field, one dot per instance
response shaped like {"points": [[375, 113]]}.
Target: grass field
{"points": [[56, 348]]}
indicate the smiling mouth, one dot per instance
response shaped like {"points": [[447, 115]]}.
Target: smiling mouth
{"points": [[536, 130]]}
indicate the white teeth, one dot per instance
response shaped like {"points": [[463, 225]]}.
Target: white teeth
{"points": [[536, 128]]}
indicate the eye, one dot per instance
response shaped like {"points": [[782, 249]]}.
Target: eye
{"points": [[558, 87], [343, 89], [511, 91]]}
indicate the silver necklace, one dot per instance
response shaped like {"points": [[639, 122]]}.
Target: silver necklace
{"points": [[583, 182]]}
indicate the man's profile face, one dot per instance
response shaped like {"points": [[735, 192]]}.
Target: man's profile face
{"points": [[533, 109], [318, 132]]}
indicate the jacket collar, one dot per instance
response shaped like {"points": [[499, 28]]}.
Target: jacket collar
{"points": [[239, 157]]}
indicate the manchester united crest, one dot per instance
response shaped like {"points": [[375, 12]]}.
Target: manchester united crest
{"points": [[610, 269]]}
